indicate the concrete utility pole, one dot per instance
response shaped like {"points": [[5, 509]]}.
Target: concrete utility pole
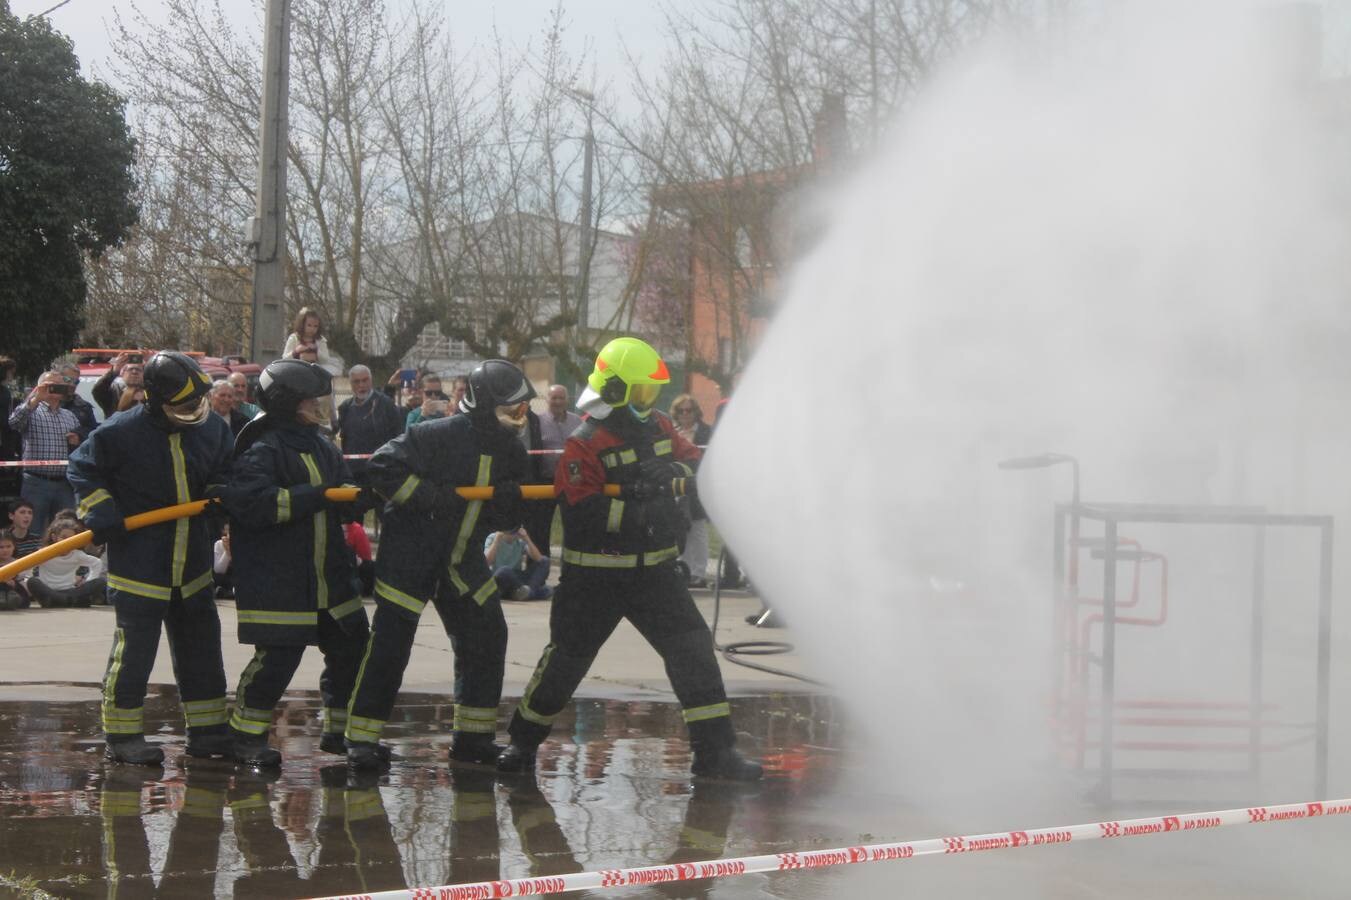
{"points": [[586, 241], [268, 230]]}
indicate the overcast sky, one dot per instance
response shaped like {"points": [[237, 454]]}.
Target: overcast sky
{"points": [[638, 23], [606, 27]]}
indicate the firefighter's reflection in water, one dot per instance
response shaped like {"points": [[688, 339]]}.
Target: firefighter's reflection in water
{"points": [[126, 851], [194, 843], [536, 824], [269, 868], [475, 849], [357, 853], [703, 836]]}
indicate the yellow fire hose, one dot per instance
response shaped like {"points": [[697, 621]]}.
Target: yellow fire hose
{"points": [[183, 510]]}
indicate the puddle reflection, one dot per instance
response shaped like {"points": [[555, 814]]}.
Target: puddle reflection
{"points": [[611, 791]]}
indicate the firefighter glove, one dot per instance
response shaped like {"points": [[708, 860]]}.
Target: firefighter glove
{"points": [[507, 499], [656, 469], [642, 491], [685, 487], [446, 501], [109, 531]]}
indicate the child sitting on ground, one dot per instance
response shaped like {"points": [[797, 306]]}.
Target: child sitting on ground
{"points": [[71, 579], [12, 593], [518, 566], [20, 521]]}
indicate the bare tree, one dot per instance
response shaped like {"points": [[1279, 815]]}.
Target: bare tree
{"points": [[425, 188], [197, 80], [757, 99], [490, 154]]}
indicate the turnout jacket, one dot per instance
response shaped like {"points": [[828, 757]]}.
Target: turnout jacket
{"points": [[603, 532], [414, 473], [131, 464], [291, 563]]}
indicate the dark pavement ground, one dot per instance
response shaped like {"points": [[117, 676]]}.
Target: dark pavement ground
{"points": [[612, 790]]}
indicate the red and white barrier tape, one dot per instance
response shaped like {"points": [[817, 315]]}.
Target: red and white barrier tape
{"points": [[813, 859]]}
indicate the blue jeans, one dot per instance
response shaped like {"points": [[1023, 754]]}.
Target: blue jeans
{"points": [[48, 496], [533, 577]]}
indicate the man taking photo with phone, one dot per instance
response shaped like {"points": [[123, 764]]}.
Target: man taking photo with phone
{"points": [[125, 371], [49, 434]]}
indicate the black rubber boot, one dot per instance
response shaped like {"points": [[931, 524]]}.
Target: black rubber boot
{"points": [[724, 763], [366, 755], [472, 747], [253, 750], [714, 744], [133, 750], [333, 742], [516, 759], [210, 742]]}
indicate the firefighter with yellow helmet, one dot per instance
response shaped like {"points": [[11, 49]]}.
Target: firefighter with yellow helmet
{"points": [[619, 562]]}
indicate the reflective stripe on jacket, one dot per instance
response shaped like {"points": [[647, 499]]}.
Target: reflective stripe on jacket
{"points": [[291, 562], [132, 464], [612, 533]]}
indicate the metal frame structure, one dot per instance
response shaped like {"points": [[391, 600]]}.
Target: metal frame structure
{"points": [[1111, 549]]}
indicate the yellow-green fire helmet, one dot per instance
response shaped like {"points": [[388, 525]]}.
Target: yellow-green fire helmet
{"points": [[628, 372]]}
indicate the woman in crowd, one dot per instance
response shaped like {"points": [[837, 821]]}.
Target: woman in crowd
{"points": [[689, 423], [71, 579], [307, 336]]}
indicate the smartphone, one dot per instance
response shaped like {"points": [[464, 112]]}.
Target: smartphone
{"points": [[408, 377], [63, 389], [135, 358]]}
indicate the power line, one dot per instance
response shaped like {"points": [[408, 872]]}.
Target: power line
{"points": [[47, 11]]}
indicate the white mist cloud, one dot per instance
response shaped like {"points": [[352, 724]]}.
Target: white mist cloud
{"points": [[1132, 250]]}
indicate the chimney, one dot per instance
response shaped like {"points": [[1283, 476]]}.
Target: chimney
{"points": [[830, 133]]}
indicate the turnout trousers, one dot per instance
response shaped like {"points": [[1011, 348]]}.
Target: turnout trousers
{"points": [[587, 606], [470, 607], [269, 673], [193, 628]]}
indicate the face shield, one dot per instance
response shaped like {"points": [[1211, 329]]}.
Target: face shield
{"points": [[642, 397], [314, 411], [513, 417], [189, 412]]}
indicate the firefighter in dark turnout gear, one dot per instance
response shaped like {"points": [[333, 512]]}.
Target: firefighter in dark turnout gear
{"points": [[619, 562], [160, 453], [295, 580], [431, 548]]}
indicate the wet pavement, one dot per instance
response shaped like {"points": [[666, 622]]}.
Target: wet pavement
{"points": [[612, 790]]}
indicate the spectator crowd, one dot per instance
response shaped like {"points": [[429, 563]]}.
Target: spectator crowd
{"points": [[42, 426]]}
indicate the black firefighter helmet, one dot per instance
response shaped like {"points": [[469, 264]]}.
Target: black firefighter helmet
{"points": [[498, 392], [287, 382], [176, 389], [282, 387]]}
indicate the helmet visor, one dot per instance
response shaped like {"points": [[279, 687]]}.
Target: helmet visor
{"points": [[314, 410], [512, 417], [642, 397], [189, 412]]}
